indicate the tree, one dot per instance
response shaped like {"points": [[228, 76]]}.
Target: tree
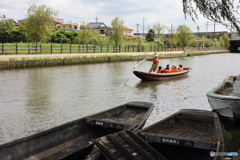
{"points": [[221, 42], [226, 40], [83, 36], [159, 28], [39, 19], [5, 28], [116, 31], [220, 11], [184, 34], [150, 35]]}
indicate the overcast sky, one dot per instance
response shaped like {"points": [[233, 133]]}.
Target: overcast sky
{"points": [[131, 11]]}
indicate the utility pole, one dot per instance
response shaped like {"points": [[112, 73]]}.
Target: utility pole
{"points": [[171, 35], [214, 29], [96, 19], [206, 29], [137, 27], [143, 26]]}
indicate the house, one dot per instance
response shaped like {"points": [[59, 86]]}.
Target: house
{"points": [[128, 32], [98, 27], [71, 26]]}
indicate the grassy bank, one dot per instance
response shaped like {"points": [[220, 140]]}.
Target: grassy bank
{"points": [[42, 62]]}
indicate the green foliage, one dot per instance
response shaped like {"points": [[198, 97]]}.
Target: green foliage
{"points": [[5, 28], [36, 26], [116, 31], [184, 34], [150, 35], [226, 40], [159, 28], [221, 42], [192, 43]]}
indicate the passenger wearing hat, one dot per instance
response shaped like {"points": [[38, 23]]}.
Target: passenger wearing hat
{"points": [[155, 63], [174, 68]]}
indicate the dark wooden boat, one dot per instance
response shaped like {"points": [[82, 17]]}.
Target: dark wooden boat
{"points": [[71, 140], [145, 76], [225, 98], [187, 134], [126, 145]]}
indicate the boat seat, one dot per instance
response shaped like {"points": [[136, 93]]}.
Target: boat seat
{"points": [[78, 147]]}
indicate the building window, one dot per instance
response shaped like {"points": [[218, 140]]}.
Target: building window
{"points": [[70, 26], [102, 31], [75, 27]]}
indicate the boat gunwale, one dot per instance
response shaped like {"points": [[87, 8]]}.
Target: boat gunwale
{"points": [[60, 127], [212, 93], [149, 106], [187, 69], [216, 126]]}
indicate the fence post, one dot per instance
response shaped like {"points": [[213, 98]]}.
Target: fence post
{"points": [[28, 48], [40, 48], [133, 48], [51, 48], [70, 48], [16, 49], [79, 51], [107, 48], [119, 48], [128, 48], [113, 48], [158, 48], [2, 49], [101, 48], [86, 48], [94, 48], [142, 48], [125, 48]]}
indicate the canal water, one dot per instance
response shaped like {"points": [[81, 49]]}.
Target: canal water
{"points": [[36, 99]]}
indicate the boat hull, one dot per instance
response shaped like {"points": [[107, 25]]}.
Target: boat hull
{"points": [[187, 131], [71, 139], [223, 101], [160, 76]]}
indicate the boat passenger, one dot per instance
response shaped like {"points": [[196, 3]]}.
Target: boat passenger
{"points": [[159, 69], [180, 68], [167, 69], [174, 68], [155, 63]]}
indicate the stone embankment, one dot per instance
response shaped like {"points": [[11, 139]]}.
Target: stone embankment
{"points": [[42, 60]]}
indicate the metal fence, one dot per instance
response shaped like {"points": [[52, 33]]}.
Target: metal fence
{"points": [[9, 49]]}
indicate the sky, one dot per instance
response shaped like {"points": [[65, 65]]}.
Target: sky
{"points": [[146, 13]]}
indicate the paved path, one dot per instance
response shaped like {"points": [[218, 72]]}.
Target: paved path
{"points": [[39, 56]]}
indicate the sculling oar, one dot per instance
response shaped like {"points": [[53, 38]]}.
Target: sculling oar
{"points": [[134, 69]]}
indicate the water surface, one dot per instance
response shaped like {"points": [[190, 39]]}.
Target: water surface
{"points": [[36, 99]]}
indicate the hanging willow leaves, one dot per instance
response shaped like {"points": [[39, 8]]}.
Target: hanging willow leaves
{"points": [[220, 11]]}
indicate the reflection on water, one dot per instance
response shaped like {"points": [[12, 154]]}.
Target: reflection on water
{"points": [[35, 99]]}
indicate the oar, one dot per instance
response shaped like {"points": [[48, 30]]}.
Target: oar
{"points": [[134, 69]]}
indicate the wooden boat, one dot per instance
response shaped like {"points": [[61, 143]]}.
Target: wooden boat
{"points": [[126, 145], [187, 134], [71, 140], [225, 98], [145, 76]]}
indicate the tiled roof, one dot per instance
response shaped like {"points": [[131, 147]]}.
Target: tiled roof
{"points": [[96, 25], [125, 28]]}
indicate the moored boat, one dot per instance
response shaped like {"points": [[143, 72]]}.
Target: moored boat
{"points": [[145, 76], [187, 134], [225, 98], [71, 140]]}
